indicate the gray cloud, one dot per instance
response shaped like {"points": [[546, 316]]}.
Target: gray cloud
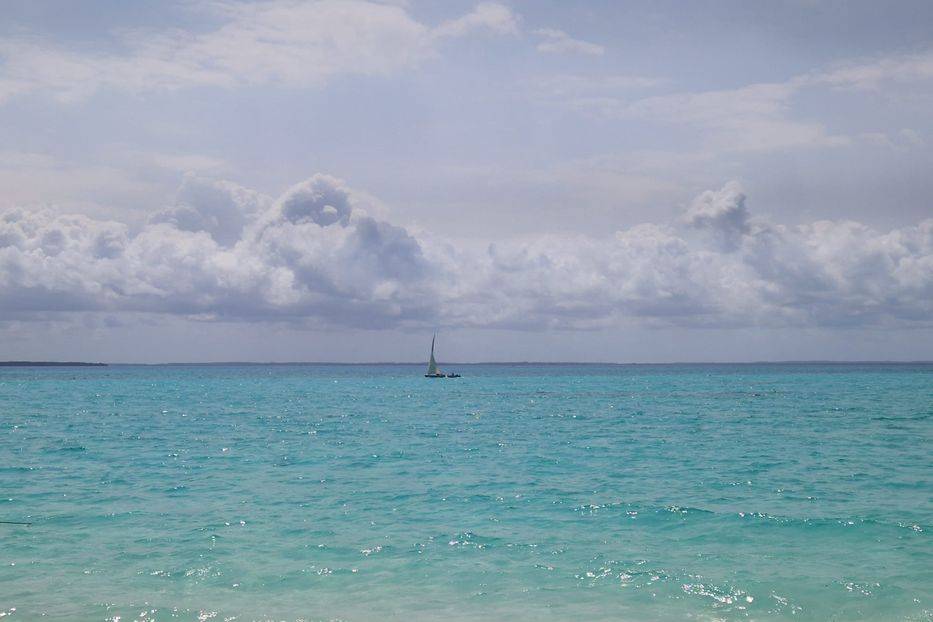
{"points": [[722, 213], [220, 208], [314, 255], [321, 200]]}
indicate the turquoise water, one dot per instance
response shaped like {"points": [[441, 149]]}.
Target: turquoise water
{"points": [[703, 492]]}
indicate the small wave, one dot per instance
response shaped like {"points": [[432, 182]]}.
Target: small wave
{"points": [[676, 509], [831, 522], [18, 469], [915, 417], [592, 508], [468, 539], [71, 449], [719, 595]]}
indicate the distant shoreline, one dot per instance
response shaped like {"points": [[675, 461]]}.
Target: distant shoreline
{"points": [[49, 364]]}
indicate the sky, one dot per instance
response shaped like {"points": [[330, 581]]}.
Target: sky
{"points": [[221, 180]]}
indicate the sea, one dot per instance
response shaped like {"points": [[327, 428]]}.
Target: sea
{"points": [[516, 492]]}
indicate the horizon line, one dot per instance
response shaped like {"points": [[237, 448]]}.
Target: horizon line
{"points": [[29, 363]]}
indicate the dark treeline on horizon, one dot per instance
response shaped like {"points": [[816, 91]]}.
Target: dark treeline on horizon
{"points": [[49, 364]]}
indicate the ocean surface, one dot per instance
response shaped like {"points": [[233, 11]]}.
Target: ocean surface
{"points": [[526, 492]]}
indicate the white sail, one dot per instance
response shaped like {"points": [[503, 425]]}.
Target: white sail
{"points": [[432, 364]]}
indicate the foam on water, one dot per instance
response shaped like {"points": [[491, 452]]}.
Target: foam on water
{"points": [[706, 492]]}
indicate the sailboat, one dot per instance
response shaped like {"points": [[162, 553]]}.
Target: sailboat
{"points": [[433, 370]]}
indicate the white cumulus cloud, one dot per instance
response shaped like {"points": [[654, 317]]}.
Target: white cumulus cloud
{"points": [[315, 255]]}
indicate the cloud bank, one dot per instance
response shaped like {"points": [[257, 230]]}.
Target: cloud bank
{"points": [[316, 256]]}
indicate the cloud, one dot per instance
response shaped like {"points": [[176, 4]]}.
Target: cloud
{"points": [[220, 208], [874, 74], [279, 42], [750, 118], [721, 212], [321, 199], [559, 42], [564, 86], [314, 256], [756, 117], [487, 16]]}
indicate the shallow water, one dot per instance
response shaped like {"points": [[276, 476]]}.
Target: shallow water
{"points": [[705, 492]]}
